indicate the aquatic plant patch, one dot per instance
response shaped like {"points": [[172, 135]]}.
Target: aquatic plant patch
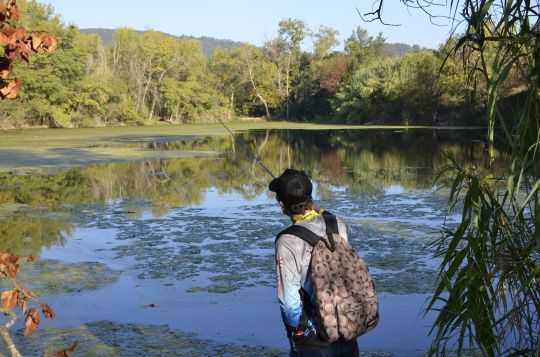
{"points": [[212, 247], [105, 338], [222, 252], [51, 277], [109, 339]]}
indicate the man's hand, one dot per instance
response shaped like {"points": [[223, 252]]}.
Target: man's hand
{"points": [[294, 331]]}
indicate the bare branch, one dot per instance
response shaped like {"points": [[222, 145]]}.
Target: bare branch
{"points": [[423, 5], [376, 15]]}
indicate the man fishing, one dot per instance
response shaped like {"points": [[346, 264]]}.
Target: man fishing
{"points": [[293, 257]]}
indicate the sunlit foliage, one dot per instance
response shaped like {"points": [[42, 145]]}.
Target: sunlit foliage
{"points": [[147, 77]]}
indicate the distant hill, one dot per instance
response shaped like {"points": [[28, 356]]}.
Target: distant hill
{"points": [[399, 49], [209, 44]]}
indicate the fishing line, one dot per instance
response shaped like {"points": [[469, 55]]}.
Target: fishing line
{"points": [[246, 147]]}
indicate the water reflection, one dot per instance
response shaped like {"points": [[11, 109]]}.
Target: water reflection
{"points": [[191, 227], [26, 233], [358, 160]]}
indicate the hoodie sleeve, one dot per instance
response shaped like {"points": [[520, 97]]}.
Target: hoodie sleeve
{"points": [[289, 280]]}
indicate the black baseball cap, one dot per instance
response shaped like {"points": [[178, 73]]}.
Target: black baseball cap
{"points": [[293, 186]]}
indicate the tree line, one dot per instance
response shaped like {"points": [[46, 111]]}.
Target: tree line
{"points": [[146, 77]]}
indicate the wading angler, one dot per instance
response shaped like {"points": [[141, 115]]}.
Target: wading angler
{"points": [[325, 292]]}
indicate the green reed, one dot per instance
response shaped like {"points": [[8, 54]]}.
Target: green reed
{"points": [[488, 294]]}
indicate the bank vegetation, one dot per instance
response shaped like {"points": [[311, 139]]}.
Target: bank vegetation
{"points": [[150, 77]]}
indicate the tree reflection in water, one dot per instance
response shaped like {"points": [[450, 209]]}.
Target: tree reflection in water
{"points": [[358, 160]]}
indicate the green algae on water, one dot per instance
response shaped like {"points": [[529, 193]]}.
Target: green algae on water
{"points": [[105, 338], [52, 277], [109, 339]]}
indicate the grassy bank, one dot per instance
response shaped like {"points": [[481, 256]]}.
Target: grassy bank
{"points": [[38, 149], [85, 137]]}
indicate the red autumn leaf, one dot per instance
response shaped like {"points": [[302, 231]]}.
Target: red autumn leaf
{"points": [[25, 47], [36, 41], [8, 262], [14, 52], [31, 321], [30, 258], [4, 40], [20, 34], [14, 93], [67, 352], [48, 43], [5, 73], [25, 57], [6, 67], [25, 51], [10, 298], [48, 311], [12, 10], [7, 258], [8, 30], [11, 90], [28, 292]]}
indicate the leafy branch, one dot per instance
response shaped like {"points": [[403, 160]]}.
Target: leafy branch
{"points": [[17, 44], [22, 297]]}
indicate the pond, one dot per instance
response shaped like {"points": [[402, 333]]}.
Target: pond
{"points": [[174, 254]]}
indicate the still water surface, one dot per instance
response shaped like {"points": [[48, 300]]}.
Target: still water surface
{"points": [[188, 242]]}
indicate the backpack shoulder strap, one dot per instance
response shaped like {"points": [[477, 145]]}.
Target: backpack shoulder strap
{"points": [[331, 228], [311, 238], [331, 223], [302, 233]]}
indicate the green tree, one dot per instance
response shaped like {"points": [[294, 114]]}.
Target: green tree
{"points": [[189, 93], [224, 66], [371, 94], [325, 41], [291, 34], [364, 48], [419, 87], [258, 72], [50, 102], [276, 50], [320, 73], [247, 75]]}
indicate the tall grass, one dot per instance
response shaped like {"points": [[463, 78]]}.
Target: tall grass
{"points": [[488, 295]]}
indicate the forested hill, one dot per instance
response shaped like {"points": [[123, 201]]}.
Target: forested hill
{"points": [[209, 44], [399, 49]]}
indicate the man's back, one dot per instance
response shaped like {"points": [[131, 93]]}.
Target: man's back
{"points": [[293, 190], [295, 286], [294, 253]]}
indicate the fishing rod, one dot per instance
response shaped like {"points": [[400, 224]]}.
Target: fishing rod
{"points": [[245, 145]]}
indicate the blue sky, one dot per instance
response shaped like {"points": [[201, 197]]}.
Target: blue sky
{"points": [[248, 20]]}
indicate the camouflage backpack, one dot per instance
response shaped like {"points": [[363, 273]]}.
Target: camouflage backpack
{"points": [[345, 302]]}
